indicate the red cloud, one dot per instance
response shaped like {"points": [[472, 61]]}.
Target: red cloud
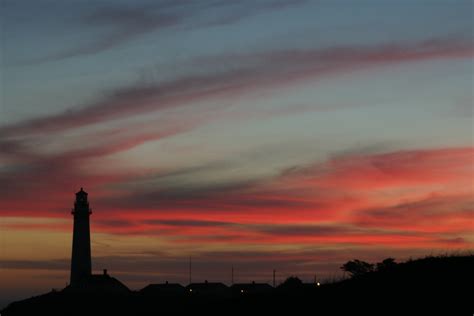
{"points": [[409, 166], [414, 197], [417, 198]]}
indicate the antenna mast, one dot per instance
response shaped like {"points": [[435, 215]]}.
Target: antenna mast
{"points": [[190, 270], [274, 271]]}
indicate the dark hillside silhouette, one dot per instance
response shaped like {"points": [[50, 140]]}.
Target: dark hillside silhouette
{"points": [[431, 285]]}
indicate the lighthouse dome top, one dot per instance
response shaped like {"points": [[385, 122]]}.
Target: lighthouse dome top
{"points": [[81, 192]]}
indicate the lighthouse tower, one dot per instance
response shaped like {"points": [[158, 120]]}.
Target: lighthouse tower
{"points": [[81, 266]]}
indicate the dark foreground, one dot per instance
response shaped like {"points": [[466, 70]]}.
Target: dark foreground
{"points": [[430, 286]]}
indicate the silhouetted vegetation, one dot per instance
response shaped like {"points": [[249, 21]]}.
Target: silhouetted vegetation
{"points": [[291, 283], [386, 264], [357, 267], [428, 286]]}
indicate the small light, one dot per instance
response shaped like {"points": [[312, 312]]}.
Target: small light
{"points": [[190, 290], [241, 291], [318, 284]]}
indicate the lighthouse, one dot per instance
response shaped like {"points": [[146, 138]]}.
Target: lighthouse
{"points": [[81, 265]]}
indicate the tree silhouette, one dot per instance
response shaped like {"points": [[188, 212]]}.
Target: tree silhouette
{"points": [[357, 267]]}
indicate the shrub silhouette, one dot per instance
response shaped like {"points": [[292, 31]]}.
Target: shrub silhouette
{"points": [[386, 264], [357, 267], [291, 282]]}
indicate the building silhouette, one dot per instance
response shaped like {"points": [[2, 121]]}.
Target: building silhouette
{"points": [[81, 263], [251, 288], [208, 289], [164, 290]]}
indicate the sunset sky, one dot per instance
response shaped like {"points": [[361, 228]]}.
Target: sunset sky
{"points": [[272, 134]]}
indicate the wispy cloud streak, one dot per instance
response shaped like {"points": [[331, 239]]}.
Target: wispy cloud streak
{"points": [[124, 24], [258, 71]]}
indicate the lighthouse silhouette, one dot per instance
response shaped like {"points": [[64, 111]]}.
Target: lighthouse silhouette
{"points": [[81, 265]]}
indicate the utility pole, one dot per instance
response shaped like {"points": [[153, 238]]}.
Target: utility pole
{"points": [[232, 277], [274, 271], [190, 270]]}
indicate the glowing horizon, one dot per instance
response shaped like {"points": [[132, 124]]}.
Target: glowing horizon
{"points": [[277, 134]]}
